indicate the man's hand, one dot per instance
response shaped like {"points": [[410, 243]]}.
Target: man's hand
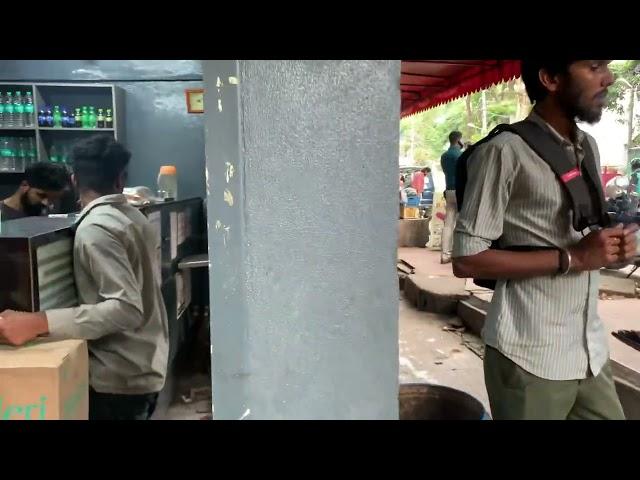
{"points": [[17, 328], [603, 248], [628, 246]]}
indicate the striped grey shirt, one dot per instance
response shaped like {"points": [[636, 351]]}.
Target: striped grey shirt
{"points": [[549, 326]]}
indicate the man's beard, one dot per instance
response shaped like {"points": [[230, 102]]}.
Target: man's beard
{"points": [[578, 107], [29, 209]]}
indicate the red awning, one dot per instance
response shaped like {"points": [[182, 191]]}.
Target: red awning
{"points": [[426, 84]]}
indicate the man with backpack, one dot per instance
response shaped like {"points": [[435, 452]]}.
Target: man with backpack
{"points": [[533, 221]]}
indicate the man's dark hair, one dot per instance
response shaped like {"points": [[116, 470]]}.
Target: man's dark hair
{"points": [[426, 170], [47, 176], [455, 137], [530, 75], [635, 164], [98, 162]]}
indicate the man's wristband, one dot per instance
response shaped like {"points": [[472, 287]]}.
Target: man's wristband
{"points": [[564, 264]]}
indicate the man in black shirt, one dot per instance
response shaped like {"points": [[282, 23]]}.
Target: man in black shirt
{"points": [[43, 183]]}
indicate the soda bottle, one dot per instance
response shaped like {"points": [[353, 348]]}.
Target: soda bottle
{"points": [[18, 110], [78, 118], [93, 121], [32, 154], [85, 117], [100, 118], [8, 110], [57, 117], [5, 154], [28, 110], [1, 110], [48, 118], [21, 155], [53, 155]]}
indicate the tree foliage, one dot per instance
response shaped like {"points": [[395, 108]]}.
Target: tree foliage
{"points": [[424, 136], [627, 82]]}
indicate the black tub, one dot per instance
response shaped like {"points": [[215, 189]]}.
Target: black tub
{"points": [[421, 401]]}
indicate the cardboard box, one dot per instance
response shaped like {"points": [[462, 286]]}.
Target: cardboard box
{"points": [[45, 380], [410, 212]]}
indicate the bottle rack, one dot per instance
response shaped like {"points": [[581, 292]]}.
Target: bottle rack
{"points": [[70, 95]]}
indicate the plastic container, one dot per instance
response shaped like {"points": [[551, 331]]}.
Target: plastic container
{"points": [[413, 201], [168, 182]]}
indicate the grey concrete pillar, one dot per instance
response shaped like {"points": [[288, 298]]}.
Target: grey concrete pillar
{"points": [[302, 216]]}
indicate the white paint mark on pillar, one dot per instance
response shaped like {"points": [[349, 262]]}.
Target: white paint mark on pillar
{"points": [[245, 414], [228, 197], [206, 180], [219, 104], [225, 237], [233, 80], [226, 231], [219, 83], [229, 171]]}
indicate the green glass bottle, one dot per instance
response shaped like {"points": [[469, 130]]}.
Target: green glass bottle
{"points": [[53, 155], [85, 117], [93, 120], [57, 117]]}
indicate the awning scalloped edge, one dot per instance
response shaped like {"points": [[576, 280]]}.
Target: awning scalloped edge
{"points": [[503, 72]]}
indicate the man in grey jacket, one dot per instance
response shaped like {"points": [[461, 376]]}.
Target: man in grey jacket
{"points": [[121, 312]]}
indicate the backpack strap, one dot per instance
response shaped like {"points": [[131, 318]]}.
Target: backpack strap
{"points": [[593, 177], [461, 165], [582, 183]]}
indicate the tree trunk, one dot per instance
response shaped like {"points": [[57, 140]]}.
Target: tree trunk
{"points": [[484, 112], [467, 128], [412, 144], [632, 98], [523, 105]]}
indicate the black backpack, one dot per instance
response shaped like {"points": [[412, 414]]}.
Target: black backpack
{"points": [[583, 185]]}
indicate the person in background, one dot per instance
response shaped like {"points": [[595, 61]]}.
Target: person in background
{"points": [[418, 180], [121, 313], [429, 186], [43, 184], [448, 161], [634, 178]]}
